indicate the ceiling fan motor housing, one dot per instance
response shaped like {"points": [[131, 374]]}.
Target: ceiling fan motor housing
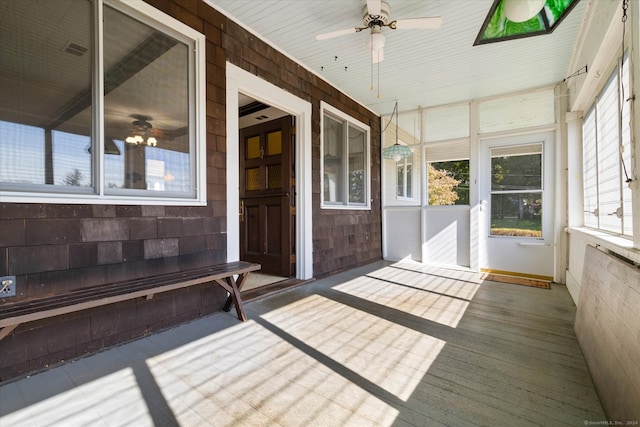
{"points": [[377, 20]]}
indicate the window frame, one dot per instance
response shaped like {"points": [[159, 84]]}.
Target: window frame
{"points": [[541, 191], [591, 219], [347, 121], [96, 193], [408, 180]]}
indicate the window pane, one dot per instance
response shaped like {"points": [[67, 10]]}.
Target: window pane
{"points": [[627, 220], [332, 154], [448, 183], [45, 93], [400, 179], [516, 214], [357, 193], [274, 143], [409, 178], [252, 147], [516, 168], [608, 157], [590, 170], [147, 105]]}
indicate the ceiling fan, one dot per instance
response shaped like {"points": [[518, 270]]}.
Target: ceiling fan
{"points": [[375, 16], [143, 132]]}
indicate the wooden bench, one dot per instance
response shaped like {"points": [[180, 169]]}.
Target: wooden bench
{"points": [[14, 314]]}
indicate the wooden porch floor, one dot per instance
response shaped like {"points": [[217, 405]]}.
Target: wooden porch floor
{"points": [[383, 345]]}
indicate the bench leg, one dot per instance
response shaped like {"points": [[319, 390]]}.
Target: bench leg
{"points": [[234, 296], [7, 330], [239, 284]]}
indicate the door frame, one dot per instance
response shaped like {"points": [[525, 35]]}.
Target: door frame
{"points": [[241, 81]]}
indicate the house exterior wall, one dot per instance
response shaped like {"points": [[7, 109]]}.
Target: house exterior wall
{"points": [[56, 248]]}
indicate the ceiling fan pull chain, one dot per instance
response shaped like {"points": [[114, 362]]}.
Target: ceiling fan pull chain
{"points": [[371, 71], [378, 80]]}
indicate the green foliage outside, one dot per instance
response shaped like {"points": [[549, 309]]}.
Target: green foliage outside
{"points": [[442, 189]]}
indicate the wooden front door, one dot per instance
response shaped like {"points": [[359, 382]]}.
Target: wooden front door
{"points": [[266, 196]]}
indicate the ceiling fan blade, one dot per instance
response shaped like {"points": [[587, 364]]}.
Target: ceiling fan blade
{"points": [[338, 33], [374, 7], [377, 56], [417, 23]]}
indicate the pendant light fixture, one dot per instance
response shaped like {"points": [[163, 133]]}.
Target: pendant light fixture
{"points": [[397, 151]]}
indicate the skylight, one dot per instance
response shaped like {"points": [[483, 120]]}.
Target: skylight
{"points": [[497, 27]]}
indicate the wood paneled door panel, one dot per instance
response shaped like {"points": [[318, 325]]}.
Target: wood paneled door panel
{"points": [[267, 213]]}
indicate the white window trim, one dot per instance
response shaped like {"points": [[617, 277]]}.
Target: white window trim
{"points": [[351, 121], [149, 15]]}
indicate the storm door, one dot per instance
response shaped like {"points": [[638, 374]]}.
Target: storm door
{"points": [[267, 213], [517, 203]]}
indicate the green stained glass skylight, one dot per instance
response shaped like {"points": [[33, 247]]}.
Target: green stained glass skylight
{"points": [[497, 27]]}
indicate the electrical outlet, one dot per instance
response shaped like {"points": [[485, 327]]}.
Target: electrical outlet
{"points": [[7, 286]]}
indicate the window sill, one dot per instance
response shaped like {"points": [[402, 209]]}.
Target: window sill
{"points": [[92, 199], [618, 244], [346, 207]]}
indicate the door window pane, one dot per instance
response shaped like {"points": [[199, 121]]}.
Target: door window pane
{"points": [[253, 179], [516, 191], [252, 147], [274, 143], [516, 168], [517, 214]]}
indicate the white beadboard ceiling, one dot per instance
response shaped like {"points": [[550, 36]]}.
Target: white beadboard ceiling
{"points": [[420, 67]]}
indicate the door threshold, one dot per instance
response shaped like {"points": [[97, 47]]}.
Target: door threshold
{"points": [[272, 289]]}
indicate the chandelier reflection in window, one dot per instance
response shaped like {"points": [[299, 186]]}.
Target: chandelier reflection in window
{"points": [[141, 131]]}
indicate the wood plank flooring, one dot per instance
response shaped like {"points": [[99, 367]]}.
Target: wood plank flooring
{"points": [[383, 345]]}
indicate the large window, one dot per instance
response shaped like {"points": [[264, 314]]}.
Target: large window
{"points": [[606, 139], [98, 100], [345, 161]]}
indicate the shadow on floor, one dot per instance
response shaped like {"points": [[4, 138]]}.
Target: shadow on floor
{"points": [[385, 344]]}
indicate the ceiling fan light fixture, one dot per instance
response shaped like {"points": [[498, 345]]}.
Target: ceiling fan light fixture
{"points": [[376, 40], [140, 131], [522, 10]]}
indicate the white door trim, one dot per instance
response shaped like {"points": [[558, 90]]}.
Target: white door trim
{"points": [[241, 81]]}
